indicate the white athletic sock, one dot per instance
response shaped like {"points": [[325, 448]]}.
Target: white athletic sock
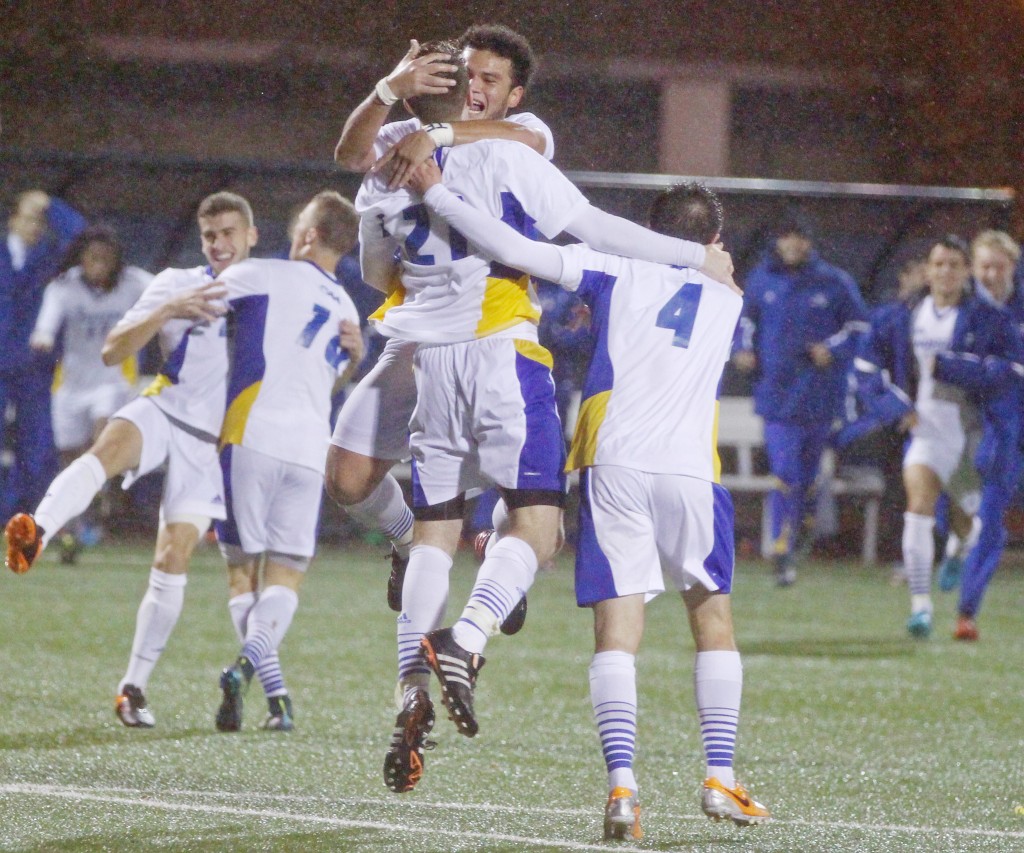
{"points": [[239, 606], [269, 620], [613, 697], [385, 509], [271, 677], [504, 578], [69, 494], [158, 614], [424, 599], [918, 555], [718, 688]]}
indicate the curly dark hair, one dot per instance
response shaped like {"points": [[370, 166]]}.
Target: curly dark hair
{"points": [[506, 43]]}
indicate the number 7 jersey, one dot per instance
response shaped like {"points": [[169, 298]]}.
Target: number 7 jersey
{"points": [[284, 355], [661, 337]]}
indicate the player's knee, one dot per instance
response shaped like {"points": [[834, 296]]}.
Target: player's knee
{"points": [[347, 482]]}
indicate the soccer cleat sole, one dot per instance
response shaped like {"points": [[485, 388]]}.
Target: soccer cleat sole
{"points": [[458, 712], [24, 542], [229, 714], [515, 620], [403, 764]]}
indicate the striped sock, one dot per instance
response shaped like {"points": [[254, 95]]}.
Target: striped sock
{"points": [[718, 687], [271, 677], [269, 620], [385, 509], [918, 557], [240, 606], [424, 598], [504, 578], [613, 696]]}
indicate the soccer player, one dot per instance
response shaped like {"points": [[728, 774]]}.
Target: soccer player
{"points": [[39, 230], [913, 347], [79, 309], [485, 414], [293, 337], [371, 433], [994, 256], [801, 320], [175, 422], [649, 499]]}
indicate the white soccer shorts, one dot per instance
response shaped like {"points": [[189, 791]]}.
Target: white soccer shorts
{"points": [[272, 505], [76, 413], [940, 443], [374, 421], [485, 416], [636, 528], [192, 483]]}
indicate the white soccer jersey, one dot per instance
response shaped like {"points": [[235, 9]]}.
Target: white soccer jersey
{"points": [[83, 316], [662, 337], [284, 355], [448, 292], [190, 387]]}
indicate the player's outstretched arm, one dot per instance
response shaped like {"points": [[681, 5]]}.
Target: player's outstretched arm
{"points": [[617, 236], [412, 76], [199, 304], [495, 239]]}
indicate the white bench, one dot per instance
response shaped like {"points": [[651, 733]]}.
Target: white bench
{"points": [[742, 430]]}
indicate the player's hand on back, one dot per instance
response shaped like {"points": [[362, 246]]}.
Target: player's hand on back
{"points": [[399, 161], [201, 304], [351, 337], [718, 265], [424, 176]]}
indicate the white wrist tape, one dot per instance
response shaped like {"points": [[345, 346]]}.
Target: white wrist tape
{"points": [[384, 93], [441, 134]]}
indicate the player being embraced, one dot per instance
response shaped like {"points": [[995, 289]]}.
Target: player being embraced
{"points": [[293, 337], [485, 414], [371, 433], [650, 501], [174, 423]]}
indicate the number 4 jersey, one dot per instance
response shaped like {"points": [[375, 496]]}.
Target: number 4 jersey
{"points": [[284, 355], [662, 336]]}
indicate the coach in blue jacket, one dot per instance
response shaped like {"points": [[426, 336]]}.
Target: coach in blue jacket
{"points": [[801, 317], [39, 229]]}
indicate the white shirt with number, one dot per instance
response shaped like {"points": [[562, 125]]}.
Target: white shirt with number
{"points": [[662, 337], [284, 356], [448, 292]]}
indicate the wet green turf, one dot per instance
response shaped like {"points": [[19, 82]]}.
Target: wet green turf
{"points": [[857, 737]]}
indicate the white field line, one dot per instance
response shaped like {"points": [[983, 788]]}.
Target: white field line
{"points": [[80, 795], [131, 796]]}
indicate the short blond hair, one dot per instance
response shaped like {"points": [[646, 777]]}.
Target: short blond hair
{"points": [[999, 240]]}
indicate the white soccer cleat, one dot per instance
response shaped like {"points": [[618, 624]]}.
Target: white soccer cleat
{"points": [[734, 804]]}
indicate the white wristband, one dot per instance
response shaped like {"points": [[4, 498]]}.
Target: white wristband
{"points": [[441, 134], [384, 93]]}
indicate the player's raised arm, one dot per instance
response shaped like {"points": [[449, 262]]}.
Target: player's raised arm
{"points": [[412, 76]]}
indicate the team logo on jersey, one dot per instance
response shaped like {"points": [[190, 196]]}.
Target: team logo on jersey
{"points": [[819, 300], [770, 296]]}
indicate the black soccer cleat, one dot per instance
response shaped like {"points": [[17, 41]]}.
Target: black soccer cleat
{"points": [[130, 707], [457, 670], [396, 579], [233, 683], [280, 717], [403, 764]]}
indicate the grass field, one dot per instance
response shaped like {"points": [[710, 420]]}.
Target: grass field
{"points": [[858, 738]]}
